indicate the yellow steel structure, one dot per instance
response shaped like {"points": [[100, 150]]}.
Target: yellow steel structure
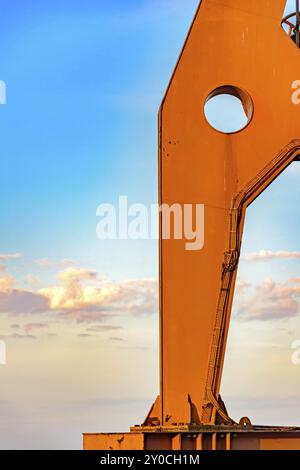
{"points": [[236, 47]]}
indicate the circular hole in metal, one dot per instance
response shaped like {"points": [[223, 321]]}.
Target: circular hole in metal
{"points": [[228, 109]]}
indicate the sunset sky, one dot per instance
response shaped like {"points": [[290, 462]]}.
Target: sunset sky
{"points": [[80, 316]]}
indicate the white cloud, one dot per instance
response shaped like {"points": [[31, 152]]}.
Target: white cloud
{"points": [[77, 275], [266, 255], [51, 263], [7, 257]]}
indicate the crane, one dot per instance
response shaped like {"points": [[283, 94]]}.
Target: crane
{"points": [[237, 48]]}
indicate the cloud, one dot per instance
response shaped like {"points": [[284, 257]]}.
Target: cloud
{"points": [[80, 295], [103, 328], [77, 275], [6, 284], [266, 255], [28, 327], [22, 302], [51, 263], [269, 301], [7, 257], [241, 286], [17, 336], [31, 326], [72, 293], [83, 297], [19, 301]]}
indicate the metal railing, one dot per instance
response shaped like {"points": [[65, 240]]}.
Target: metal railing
{"points": [[292, 22]]}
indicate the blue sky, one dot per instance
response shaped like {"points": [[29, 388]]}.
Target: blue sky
{"points": [[83, 87], [84, 83]]}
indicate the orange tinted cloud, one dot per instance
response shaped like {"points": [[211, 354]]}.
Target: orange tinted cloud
{"points": [[269, 301], [84, 297]]}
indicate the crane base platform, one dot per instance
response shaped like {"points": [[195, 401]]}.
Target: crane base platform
{"points": [[197, 438]]}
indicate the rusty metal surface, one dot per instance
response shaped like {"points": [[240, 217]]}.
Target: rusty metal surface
{"points": [[201, 438], [226, 173]]}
